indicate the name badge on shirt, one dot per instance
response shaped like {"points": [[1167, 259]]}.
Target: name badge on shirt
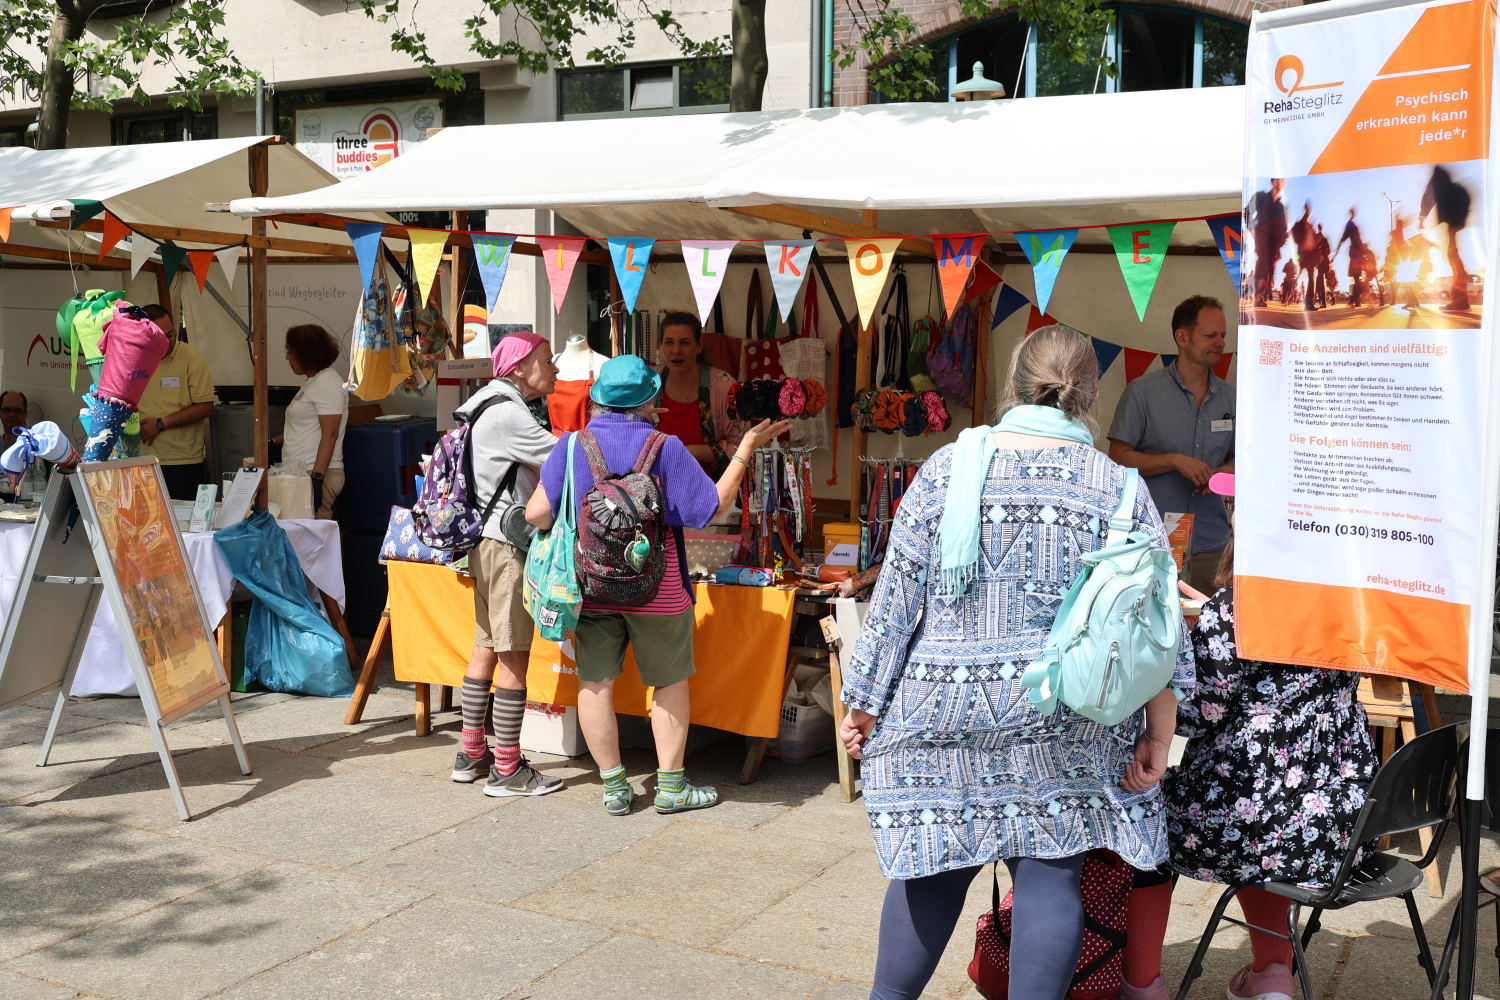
{"points": [[175, 382], [1220, 426]]}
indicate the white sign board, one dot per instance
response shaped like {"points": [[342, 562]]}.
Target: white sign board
{"points": [[349, 139], [456, 382]]}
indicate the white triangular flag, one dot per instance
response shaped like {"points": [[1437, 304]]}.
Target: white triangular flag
{"points": [[229, 262], [141, 250], [707, 261]]}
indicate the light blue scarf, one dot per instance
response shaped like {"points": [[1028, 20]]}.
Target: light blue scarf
{"points": [[958, 532]]}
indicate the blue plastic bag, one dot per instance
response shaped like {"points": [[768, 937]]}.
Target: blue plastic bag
{"points": [[289, 646]]}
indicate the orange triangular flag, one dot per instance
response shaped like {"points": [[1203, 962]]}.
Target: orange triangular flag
{"points": [[200, 259], [114, 232], [1136, 363], [5, 224], [955, 259], [1222, 368]]}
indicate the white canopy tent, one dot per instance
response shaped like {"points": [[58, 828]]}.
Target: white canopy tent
{"points": [[990, 166]]}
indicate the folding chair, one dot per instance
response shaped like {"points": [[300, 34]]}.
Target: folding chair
{"points": [[1417, 787]]}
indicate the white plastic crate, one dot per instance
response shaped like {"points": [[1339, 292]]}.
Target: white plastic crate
{"points": [[806, 731], [552, 729]]}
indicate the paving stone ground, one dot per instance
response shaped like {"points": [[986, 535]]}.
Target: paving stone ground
{"points": [[349, 866]]}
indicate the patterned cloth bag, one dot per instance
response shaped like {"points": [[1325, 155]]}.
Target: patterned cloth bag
{"points": [[621, 548], [1106, 892], [553, 597], [951, 360], [401, 543]]}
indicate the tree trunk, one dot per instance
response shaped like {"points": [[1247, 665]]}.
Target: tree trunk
{"points": [[747, 78], [57, 87]]}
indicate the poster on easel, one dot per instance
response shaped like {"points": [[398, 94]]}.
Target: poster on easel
{"points": [[108, 532]]}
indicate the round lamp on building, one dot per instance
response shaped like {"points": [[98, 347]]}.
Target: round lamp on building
{"points": [[978, 87]]}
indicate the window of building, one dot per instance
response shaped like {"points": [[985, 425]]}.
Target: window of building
{"points": [[15, 135], [1153, 48], [687, 87], [176, 125], [132, 8]]}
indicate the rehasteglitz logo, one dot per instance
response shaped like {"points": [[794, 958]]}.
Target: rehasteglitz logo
{"points": [[1288, 78]]}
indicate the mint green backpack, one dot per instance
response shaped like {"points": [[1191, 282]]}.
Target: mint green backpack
{"points": [[1114, 642], [553, 596]]}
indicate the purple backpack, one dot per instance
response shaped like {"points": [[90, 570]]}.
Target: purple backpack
{"points": [[444, 515], [951, 360], [621, 557]]}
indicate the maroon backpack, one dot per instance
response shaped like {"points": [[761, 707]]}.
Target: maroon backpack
{"points": [[621, 557]]}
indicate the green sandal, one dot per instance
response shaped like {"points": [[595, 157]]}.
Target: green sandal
{"points": [[691, 797], [617, 803]]}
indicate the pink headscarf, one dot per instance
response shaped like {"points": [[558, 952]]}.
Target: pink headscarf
{"points": [[512, 350]]}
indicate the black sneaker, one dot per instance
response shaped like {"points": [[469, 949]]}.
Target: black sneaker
{"points": [[526, 781], [468, 769]]}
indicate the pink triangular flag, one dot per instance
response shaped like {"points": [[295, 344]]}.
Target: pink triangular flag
{"points": [[559, 257]]}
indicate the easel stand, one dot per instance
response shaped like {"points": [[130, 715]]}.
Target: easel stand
{"points": [[65, 573]]}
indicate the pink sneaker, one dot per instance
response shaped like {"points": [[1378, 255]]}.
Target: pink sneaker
{"points": [[1156, 990], [1274, 982]]}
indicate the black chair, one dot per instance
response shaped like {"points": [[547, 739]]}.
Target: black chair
{"points": [[1417, 787]]}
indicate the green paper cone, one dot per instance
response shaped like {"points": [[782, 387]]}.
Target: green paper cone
{"points": [[1140, 248]]}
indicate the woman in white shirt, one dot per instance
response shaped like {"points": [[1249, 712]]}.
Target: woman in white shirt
{"points": [[316, 416]]}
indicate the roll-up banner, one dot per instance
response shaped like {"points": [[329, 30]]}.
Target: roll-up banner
{"points": [[1367, 460]]}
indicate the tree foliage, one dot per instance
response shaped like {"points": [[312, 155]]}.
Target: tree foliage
{"points": [[187, 39], [902, 70]]}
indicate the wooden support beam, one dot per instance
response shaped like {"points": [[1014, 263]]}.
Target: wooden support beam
{"points": [[47, 253], [801, 218], [458, 275], [864, 376], [343, 253], [259, 182]]}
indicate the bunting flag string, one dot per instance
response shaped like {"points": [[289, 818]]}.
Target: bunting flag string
{"points": [[200, 260], [630, 254], [492, 254], [559, 258], [869, 263], [1104, 353], [1226, 230], [1007, 303], [229, 263], [427, 247], [954, 264], [787, 262], [1140, 248], [1045, 250], [1167, 359], [1222, 368], [141, 250], [366, 239], [1136, 363], [984, 278], [707, 261], [114, 232], [171, 259]]}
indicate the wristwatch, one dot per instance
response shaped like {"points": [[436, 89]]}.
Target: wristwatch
{"points": [[160, 426], [317, 477]]}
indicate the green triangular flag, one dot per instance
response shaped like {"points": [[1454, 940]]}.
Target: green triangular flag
{"points": [[1140, 248], [83, 211], [171, 259]]}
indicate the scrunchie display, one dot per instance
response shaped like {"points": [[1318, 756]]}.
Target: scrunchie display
{"points": [[760, 400], [915, 411], [888, 411], [938, 417], [863, 410], [817, 397], [729, 404], [793, 398]]}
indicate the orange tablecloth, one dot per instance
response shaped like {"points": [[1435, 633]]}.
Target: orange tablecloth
{"points": [[739, 647]]}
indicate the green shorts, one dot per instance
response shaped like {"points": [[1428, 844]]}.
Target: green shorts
{"points": [[663, 646]]}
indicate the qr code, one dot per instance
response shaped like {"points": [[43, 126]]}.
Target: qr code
{"points": [[1270, 352]]}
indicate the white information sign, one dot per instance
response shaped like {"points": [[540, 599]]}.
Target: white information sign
{"points": [[348, 139]]}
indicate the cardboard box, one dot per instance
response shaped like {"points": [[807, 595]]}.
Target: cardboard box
{"points": [[552, 729]]}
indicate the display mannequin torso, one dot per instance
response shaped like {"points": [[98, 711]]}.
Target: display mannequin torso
{"points": [[568, 406], [576, 362]]}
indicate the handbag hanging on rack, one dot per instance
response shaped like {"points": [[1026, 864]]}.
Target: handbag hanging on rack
{"points": [[896, 337]]}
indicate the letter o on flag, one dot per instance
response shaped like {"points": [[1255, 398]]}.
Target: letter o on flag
{"points": [[859, 259]]}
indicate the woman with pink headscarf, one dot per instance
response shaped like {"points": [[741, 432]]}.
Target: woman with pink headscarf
{"points": [[508, 447]]}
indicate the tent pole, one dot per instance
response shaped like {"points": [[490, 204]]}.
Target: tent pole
{"points": [[863, 376], [259, 182], [459, 280], [163, 286]]}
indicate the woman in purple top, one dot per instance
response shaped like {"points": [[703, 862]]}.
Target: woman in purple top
{"points": [[660, 631]]}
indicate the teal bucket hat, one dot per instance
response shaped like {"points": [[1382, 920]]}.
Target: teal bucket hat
{"points": [[625, 382]]}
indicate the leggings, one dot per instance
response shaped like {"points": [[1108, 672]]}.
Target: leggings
{"points": [[1046, 935]]}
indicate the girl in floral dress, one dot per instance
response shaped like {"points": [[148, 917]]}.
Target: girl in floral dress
{"points": [[1272, 780]]}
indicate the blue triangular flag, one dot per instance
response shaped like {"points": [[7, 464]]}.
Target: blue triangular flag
{"points": [[1105, 353], [366, 239], [1006, 304], [1046, 250], [786, 260], [630, 254], [1226, 230], [492, 253], [1167, 359]]}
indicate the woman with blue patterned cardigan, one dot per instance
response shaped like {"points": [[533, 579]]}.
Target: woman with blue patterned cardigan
{"points": [[960, 769]]}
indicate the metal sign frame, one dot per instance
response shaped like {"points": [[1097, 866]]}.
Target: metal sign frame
{"points": [[60, 587]]}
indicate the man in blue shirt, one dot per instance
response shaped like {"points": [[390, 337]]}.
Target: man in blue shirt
{"points": [[1177, 426]]}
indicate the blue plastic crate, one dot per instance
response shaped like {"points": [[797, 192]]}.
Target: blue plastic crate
{"points": [[382, 462], [364, 581]]}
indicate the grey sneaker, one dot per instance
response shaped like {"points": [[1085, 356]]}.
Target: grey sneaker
{"points": [[526, 781], [468, 769]]}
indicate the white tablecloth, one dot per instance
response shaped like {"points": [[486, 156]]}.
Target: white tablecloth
{"points": [[104, 669]]}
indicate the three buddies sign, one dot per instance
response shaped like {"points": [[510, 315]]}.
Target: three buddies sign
{"points": [[1366, 518]]}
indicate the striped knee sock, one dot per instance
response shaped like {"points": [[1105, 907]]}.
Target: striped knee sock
{"points": [[474, 699], [672, 781], [509, 708]]}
